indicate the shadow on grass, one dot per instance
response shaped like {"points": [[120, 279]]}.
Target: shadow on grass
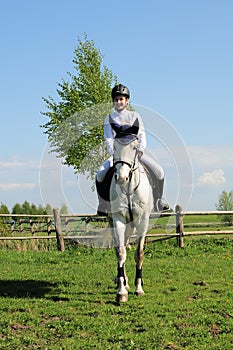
{"points": [[26, 289], [50, 291]]}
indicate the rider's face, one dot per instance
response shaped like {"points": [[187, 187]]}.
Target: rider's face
{"points": [[120, 102]]}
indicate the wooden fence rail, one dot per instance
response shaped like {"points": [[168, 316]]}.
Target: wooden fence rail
{"points": [[77, 227]]}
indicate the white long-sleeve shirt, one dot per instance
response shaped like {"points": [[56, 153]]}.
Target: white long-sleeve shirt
{"points": [[124, 118]]}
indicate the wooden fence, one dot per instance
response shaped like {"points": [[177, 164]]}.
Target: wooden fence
{"points": [[79, 227], [180, 227]]}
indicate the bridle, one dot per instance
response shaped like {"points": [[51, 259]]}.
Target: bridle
{"points": [[133, 167], [131, 171]]}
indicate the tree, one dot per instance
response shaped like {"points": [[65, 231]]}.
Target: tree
{"points": [[225, 203], [64, 209], [17, 209], [48, 209], [3, 227], [31, 209], [41, 210], [4, 209], [75, 126], [26, 207]]}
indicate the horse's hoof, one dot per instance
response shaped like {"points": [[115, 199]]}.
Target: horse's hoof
{"points": [[139, 293], [122, 298]]}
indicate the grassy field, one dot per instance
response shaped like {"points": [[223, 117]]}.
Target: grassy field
{"points": [[53, 300]]}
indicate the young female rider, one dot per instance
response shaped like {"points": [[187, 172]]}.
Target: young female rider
{"points": [[122, 116]]}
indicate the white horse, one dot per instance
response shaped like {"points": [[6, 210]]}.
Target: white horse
{"points": [[131, 202]]}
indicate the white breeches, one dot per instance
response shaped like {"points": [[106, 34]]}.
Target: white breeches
{"points": [[153, 165], [146, 159], [103, 169]]}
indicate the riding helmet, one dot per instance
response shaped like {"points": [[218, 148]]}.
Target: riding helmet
{"points": [[120, 90]]}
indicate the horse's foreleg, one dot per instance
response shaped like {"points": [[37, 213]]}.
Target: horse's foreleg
{"points": [[122, 293], [139, 256], [120, 272]]}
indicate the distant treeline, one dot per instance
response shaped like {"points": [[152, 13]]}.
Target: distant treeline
{"points": [[31, 209]]}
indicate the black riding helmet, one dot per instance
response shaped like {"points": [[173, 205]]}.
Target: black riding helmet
{"points": [[120, 90]]}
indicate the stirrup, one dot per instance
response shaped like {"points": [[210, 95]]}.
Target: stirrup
{"points": [[102, 209], [102, 213], [162, 205]]}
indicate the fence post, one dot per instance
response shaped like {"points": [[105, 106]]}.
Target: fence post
{"points": [[12, 227], [49, 223], [32, 227], [179, 226], [57, 221]]}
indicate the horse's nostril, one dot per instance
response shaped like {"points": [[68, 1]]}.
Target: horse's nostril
{"points": [[116, 177]]}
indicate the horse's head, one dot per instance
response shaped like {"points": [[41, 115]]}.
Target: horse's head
{"points": [[125, 151]]}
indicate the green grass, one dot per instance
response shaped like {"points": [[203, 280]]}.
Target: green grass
{"points": [[52, 300]]}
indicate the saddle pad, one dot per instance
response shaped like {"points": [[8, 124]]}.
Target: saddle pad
{"points": [[104, 187]]}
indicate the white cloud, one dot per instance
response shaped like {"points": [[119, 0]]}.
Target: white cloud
{"points": [[19, 164], [214, 178], [12, 164], [201, 157], [17, 186], [211, 156]]}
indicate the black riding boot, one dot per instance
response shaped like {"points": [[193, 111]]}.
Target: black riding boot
{"points": [[103, 206], [160, 204]]}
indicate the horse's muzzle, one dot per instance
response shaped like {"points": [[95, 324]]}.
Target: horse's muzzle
{"points": [[121, 180]]}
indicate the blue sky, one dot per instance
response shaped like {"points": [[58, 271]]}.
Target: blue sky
{"points": [[175, 56]]}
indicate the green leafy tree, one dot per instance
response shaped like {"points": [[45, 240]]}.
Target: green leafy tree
{"points": [[41, 210], [225, 203], [26, 208], [75, 126], [64, 209], [33, 209], [4, 209], [48, 209], [17, 209], [3, 220]]}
